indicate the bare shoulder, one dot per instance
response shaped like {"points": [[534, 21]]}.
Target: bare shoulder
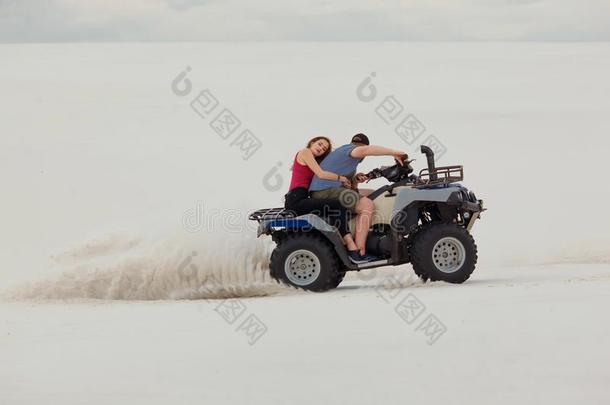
{"points": [[303, 155]]}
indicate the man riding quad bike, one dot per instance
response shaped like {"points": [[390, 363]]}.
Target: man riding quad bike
{"points": [[423, 219]]}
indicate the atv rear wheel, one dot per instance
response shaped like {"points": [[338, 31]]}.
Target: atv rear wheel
{"points": [[306, 261], [444, 252]]}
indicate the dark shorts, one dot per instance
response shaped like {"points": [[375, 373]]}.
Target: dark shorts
{"points": [[299, 202], [346, 196]]}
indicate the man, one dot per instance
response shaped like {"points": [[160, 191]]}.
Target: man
{"points": [[344, 161]]}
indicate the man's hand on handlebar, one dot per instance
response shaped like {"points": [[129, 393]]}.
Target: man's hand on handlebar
{"points": [[399, 171], [400, 157]]}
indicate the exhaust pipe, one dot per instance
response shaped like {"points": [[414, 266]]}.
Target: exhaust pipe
{"points": [[430, 158]]}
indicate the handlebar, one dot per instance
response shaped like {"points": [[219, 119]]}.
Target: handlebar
{"points": [[393, 173]]}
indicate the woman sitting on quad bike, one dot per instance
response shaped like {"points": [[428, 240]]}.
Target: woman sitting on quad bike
{"points": [[306, 165]]}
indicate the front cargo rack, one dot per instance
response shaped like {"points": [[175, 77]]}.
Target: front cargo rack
{"points": [[440, 175]]}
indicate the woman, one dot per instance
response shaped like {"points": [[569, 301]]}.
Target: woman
{"points": [[305, 166]]}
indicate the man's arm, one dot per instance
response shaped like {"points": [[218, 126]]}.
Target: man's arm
{"points": [[373, 150]]}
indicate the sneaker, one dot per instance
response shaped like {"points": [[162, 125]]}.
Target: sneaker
{"points": [[370, 258], [356, 258]]}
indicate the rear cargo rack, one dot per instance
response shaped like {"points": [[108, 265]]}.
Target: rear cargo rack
{"points": [[270, 213], [440, 175]]}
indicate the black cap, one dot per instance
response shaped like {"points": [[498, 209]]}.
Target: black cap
{"points": [[361, 138]]}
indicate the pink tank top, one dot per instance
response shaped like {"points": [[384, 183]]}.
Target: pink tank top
{"points": [[301, 175]]}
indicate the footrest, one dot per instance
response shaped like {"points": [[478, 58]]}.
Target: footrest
{"points": [[376, 263]]}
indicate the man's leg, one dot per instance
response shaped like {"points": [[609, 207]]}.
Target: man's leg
{"points": [[351, 200], [365, 192], [364, 209]]}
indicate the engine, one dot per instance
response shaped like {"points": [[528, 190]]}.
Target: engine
{"points": [[379, 243]]}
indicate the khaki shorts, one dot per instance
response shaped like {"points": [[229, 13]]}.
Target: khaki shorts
{"points": [[348, 197]]}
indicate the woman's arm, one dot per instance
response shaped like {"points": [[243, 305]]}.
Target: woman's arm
{"points": [[307, 157]]}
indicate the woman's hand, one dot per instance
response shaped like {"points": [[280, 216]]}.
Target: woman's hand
{"points": [[361, 178], [345, 181]]}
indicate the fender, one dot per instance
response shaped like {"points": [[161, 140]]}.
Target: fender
{"points": [[309, 223]]}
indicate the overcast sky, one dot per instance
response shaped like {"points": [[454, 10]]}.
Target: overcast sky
{"points": [[343, 20]]}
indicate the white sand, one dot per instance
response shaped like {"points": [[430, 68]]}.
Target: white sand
{"points": [[102, 169], [528, 334]]}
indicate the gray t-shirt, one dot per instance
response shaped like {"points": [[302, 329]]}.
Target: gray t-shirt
{"points": [[338, 161]]}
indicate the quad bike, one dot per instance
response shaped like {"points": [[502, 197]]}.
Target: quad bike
{"points": [[423, 219]]}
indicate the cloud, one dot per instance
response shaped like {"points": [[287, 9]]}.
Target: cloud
{"points": [[318, 20]]}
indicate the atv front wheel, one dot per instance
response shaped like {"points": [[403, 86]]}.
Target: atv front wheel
{"points": [[306, 261], [444, 252]]}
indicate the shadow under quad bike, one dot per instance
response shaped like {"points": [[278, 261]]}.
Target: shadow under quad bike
{"points": [[420, 219]]}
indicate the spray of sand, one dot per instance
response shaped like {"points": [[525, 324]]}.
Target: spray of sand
{"points": [[192, 266]]}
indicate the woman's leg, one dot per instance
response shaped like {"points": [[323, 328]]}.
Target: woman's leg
{"points": [[348, 240], [333, 211]]}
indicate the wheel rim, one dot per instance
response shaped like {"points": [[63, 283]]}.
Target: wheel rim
{"points": [[302, 267], [448, 255]]}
